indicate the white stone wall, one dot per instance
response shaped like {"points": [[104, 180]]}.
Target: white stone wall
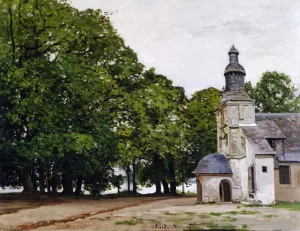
{"points": [[250, 154], [239, 178], [265, 190], [210, 187], [241, 156]]}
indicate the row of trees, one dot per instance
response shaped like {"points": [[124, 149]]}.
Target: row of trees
{"points": [[76, 102]]}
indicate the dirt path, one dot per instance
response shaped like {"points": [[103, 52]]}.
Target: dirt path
{"points": [[146, 213], [180, 214], [27, 219]]}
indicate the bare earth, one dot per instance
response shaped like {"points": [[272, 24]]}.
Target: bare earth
{"points": [[145, 213]]}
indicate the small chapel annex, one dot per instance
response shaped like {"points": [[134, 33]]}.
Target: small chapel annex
{"points": [[258, 156]]}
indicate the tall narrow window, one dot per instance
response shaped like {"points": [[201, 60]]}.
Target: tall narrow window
{"points": [[284, 175]]}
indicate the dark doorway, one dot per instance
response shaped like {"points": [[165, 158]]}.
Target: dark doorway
{"points": [[251, 180], [199, 191], [225, 191]]}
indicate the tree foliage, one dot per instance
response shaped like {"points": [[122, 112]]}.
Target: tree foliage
{"points": [[274, 92], [59, 68], [76, 102], [202, 122]]}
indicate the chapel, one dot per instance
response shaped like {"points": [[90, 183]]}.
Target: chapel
{"points": [[258, 157]]}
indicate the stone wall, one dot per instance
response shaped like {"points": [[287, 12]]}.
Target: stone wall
{"points": [[210, 187], [288, 192], [265, 191]]}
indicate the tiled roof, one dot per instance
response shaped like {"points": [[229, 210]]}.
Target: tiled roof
{"points": [[288, 157], [255, 137], [270, 129], [289, 123], [213, 164]]}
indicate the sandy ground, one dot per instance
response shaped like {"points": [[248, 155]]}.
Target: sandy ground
{"points": [[148, 214], [33, 215]]}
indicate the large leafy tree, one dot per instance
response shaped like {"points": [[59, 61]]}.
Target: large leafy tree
{"points": [[201, 120], [63, 73], [275, 92], [162, 131]]}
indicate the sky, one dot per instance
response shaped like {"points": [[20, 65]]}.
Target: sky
{"points": [[188, 40]]}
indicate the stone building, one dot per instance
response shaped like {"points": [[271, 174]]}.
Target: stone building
{"points": [[258, 154]]}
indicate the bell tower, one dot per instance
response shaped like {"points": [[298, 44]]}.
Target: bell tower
{"points": [[234, 109]]}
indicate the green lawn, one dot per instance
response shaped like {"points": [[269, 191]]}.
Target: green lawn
{"points": [[287, 205]]}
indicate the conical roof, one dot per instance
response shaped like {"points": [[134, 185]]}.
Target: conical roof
{"points": [[213, 164], [233, 50], [234, 65]]}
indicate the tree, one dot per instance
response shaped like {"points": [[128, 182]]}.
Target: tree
{"points": [[161, 138], [61, 70], [117, 181], [201, 120], [274, 93]]}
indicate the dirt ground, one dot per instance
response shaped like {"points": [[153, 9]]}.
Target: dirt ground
{"points": [[146, 213]]}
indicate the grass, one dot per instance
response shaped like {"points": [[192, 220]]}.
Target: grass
{"points": [[188, 193], [229, 219], [244, 226], [244, 212], [238, 206], [193, 227], [208, 223], [225, 227], [205, 216], [153, 221], [270, 216], [129, 222], [168, 213], [190, 213], [180, 220], [287, 205], [216, 214]]}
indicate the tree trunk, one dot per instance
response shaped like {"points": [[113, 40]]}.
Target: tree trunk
{"points": [[157, 187], [133, 177], [128, 177], [67, 183], [26, 181], [172, 174], [166, 186], [54, 185], [48, 181], [173, 188], [78, 186], [33, 179], [158, 175], [96, 190], [42, 179]]}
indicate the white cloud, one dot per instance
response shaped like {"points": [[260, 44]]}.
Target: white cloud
{"points": [[188, 41]]}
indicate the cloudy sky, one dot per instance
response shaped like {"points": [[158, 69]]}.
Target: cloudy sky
{"points": [[188, 40]]}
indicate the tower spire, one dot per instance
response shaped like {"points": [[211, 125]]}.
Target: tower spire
{"points": [[234, 72], [233, 50]]}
